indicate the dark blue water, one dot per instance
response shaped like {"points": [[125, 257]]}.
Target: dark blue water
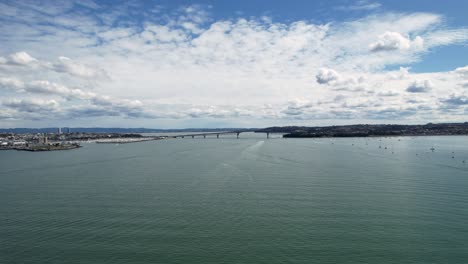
{"points": [[247, 200]]}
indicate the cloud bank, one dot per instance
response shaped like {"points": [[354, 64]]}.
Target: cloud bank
{"points": [[80, 62]]}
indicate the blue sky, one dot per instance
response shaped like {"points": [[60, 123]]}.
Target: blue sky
{"points": [[179, 64]]}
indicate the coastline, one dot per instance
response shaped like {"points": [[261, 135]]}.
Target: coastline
{"points": [[45, 148]]}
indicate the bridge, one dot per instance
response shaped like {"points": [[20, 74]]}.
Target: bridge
{"points": [[217, 134]]}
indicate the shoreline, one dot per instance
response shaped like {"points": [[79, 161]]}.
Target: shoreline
{"points": [[46, 148], [371, 136], [124, 140]]}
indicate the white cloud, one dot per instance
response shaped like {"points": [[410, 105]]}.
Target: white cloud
{"points": [[32, 105], [297, 107], [63, 65], [72, 67], [46, 87], [116, 33], [403, 73], [457, 100], [184, 64], [11, 83], [388, 93], [22, 58], [462, 71], [327, 76], [447, 37], [361, 5], [420, 86], [396, 41], [85, 103]]}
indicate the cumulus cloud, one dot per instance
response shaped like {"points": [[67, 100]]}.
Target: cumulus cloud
{"points": [[10, 83], [185, 64], [339, 81], [403, 73], [297, 107], [456, 100], [388, 93], [462, 71], [51, 109], [50, 88], [72, 67], [213, 111], [395, 41], [21, 58], [102, 106], [123, 106], [391, 112], [88, 104], [420, 86], [327, 76], [32, 105], [7, 114], [63, 65], [44, 87], [87, 111]]}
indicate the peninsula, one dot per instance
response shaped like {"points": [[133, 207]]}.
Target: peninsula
{"points": [[368, 130], [67, 140]]}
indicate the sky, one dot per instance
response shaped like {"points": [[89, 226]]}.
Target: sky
{"points": [[179, 64]]}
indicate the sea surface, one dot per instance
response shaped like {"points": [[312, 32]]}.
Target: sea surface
{"points": [[247, 200]]}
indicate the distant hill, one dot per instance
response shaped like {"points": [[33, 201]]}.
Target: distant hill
{"points": [[367, 130]]}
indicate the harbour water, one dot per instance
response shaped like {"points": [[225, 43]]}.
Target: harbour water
{"points": [[247, 200]]}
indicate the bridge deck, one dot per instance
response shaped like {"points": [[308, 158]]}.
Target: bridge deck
{"points": [[217, 134]]}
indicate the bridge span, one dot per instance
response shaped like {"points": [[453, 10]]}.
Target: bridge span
{"points": [[217, 134]]}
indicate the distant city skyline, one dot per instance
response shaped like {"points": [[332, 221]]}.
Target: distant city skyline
{"points": [[179, 64]]}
